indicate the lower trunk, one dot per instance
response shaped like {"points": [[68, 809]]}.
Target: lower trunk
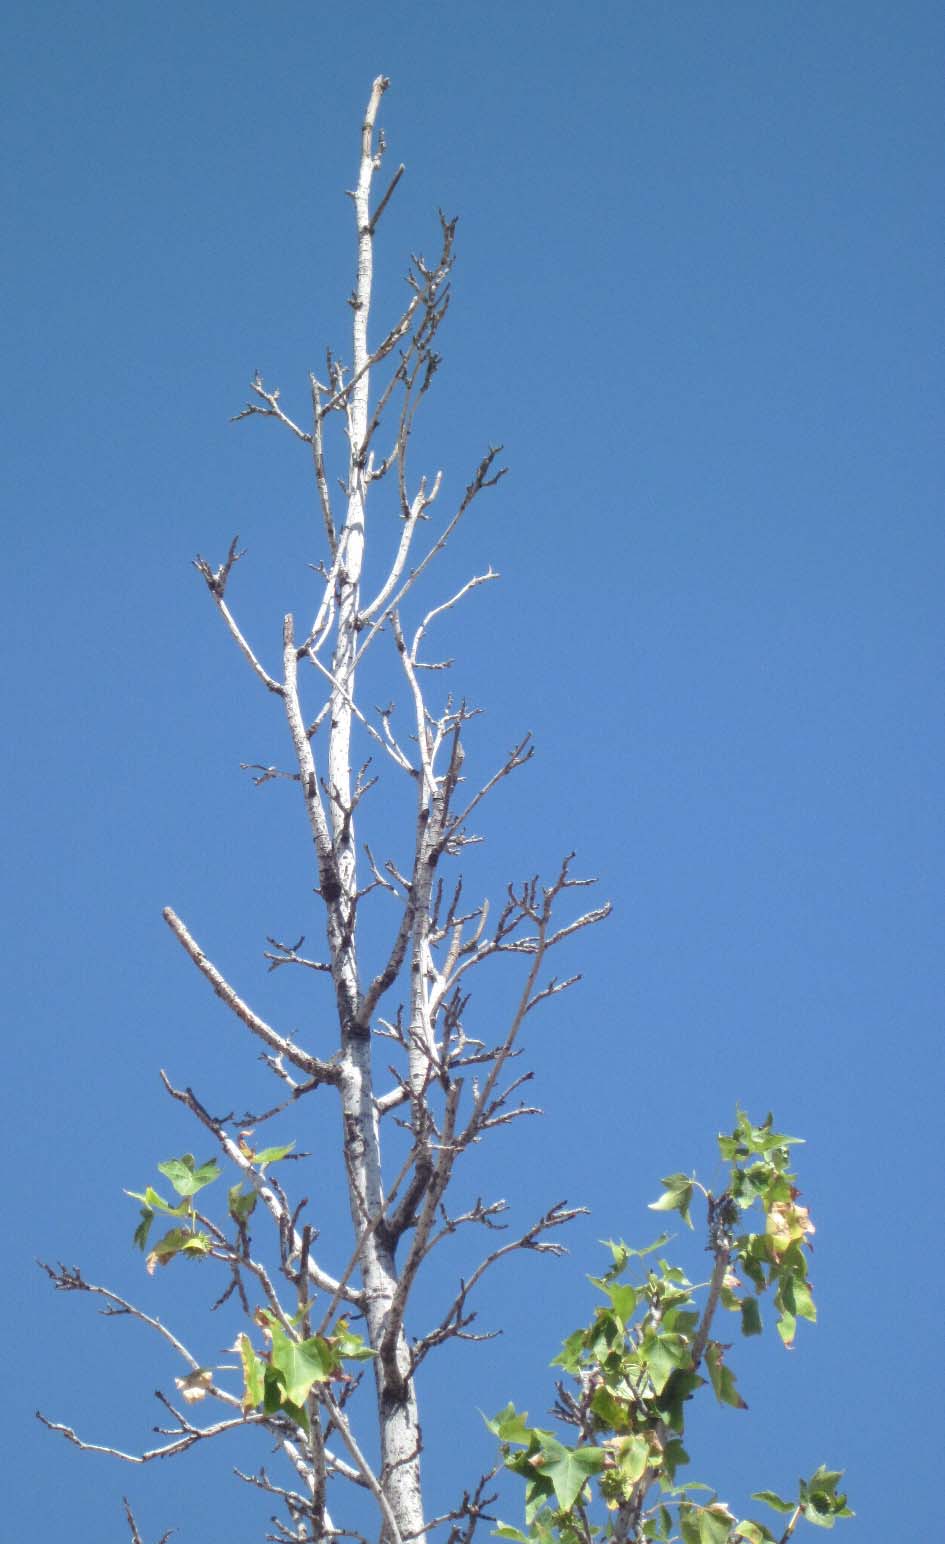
{"points": [[398, 1417]]}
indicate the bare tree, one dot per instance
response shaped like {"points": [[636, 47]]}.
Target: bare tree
{"points": [[448, 1087]]}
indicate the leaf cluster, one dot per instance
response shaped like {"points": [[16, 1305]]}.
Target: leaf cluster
{"points": [[188, 1179], [283, 1377], [633, 1369]]}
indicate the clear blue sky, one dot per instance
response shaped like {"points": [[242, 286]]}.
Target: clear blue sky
{"points": [[699, 299]]}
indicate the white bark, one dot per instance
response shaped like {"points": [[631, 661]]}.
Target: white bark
{"points": [[434, 942]]}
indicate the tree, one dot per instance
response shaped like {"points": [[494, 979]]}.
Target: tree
{"points": [[402, 1130]]}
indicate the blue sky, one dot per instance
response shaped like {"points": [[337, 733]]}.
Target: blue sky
{"points": [[698, 299]]}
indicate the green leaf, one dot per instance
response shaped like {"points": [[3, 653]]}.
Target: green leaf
{"points": [[568, 1469], [721, 1377], [677, 1197], [773, 1500], [301, 1363], [272, 1155], [662, 1355], [538, 1491], [184, 1175], [240, 1206], [820, 1502], [177, 1241], [273, 1389], [345, 1343], [689, 1523], [681, 1386], [787, 1328], [715, 1524], [623, 1299], [510, 1425], [751, 1316], [157, 1203], [754, 1533], [610, 1411], [661, 1526], [505, 1531], [747, 1139], [254, 1369], [804, 1305], [619, 1252], [297, 1413], [275, 1398], [633, 1456], [674, 1457], [569, 1357], [144, 1227]]}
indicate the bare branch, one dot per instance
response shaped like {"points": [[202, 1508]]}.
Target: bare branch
{"points": [[483, 478], [271, 410], [189, 1436], [454, 1321], [325, 1072], [287, 954], [265, 1187], [387, 196], [70, 1279], [216, 584], [370, 1478], [133, 1526]]}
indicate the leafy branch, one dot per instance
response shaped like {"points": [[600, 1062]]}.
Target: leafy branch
{"points": [[633, 1369]]}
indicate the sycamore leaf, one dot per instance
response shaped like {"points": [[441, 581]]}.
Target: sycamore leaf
{"points": [[240, 1206], [721, 1377], [151, 1202], [747, 1139], [186, 1177], [569, 1357], [751, 1316], [253, 1374], [538, 1491], [804, 1305], [177, 1241], [568, 1469], [753, 1533], [820, 1502], [621, 1253], [663, 1354], [677, 1197], [705, 1524], [345, 1343], [611, 1411], [301, 1363], [272, 1155], [510, 1426], [157, 1203], [680, 1388], [623, 1300], [787, 1328], [273, 1389], [633, 1455], [674, 1457], [715, 1524], [141, 1232], [773, 1500], [275, 1398]]}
